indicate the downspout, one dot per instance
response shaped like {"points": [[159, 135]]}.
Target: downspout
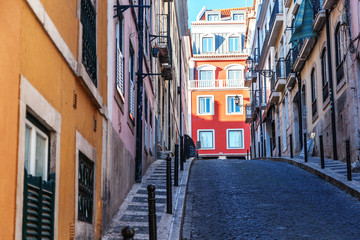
{"points": [[298, 77], [331, 92], [138, 158], [169, 81], [260, 101], [180, 80]]}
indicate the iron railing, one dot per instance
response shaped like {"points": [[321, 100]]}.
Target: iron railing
{"points": [[317, 6], [217, 83], [161, 39], [189, 147], [278, 8], [289, 63], [88, 21], [280, 69]]}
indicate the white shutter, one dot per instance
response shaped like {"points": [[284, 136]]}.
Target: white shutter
{"points": [[119, 71], [132, 98], [146, 136]]}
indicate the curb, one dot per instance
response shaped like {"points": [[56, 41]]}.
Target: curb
{"points": [[338, 180], [180, 197]]}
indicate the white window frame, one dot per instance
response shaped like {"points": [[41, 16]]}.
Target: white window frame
{"points": [[235, 67], [120, 80], [206, 67], [227, 138], [218, 13], [238, 12], [239, 42], [32, 161], [212, 36], [206, 130], [241, 100], [198, 102]]}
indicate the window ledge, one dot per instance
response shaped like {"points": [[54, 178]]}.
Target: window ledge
{"points": [[119, 98], [89, 85], [326, 102], [131, 124]]}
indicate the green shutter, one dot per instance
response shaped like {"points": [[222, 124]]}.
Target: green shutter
{"points": [[38, 209]]}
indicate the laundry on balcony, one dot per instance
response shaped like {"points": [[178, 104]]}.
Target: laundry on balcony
{"points": [[303, 23]]}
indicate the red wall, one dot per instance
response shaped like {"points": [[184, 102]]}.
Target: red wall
{"points": [[220, 121]]}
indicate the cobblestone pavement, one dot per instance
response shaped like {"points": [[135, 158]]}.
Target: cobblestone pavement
{"points": [[242, 199]]}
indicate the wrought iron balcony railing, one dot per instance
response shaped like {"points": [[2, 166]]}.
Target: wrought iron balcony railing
{"points": [[280, 69], [217, 83], [278, 8]]}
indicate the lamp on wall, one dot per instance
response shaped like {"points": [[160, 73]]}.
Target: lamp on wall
{"points": [[237, 100], [250, 67]]}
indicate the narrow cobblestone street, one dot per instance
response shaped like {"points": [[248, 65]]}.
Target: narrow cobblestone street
{"points": [[241, 199]]}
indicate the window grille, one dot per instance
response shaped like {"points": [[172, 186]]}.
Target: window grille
{"points": [[86, 188], [88, 21]]}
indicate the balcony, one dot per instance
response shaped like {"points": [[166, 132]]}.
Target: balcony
{"points": [[304, 48], [161, 40], [296, 6], [255, 101], [248, 78], [217, 84], [319, 15], [276, 22], [289, 73], [280, 81], [248, 113], [274, 95], [288, 3], [329, 4]]}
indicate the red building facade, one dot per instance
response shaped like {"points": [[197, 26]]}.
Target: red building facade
{"points": [[217, 74]]}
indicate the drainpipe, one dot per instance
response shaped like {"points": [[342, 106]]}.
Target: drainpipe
{"points": [[260, 101], [180, 97], [169, 81], [138, 158], [331, 92], [298, 77]]}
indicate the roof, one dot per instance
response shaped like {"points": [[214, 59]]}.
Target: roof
{"points": [[225, 12]]}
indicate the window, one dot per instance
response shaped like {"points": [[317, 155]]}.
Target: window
{"points": [[206, 74], [238, 17], [235, 138], [206, 138], [233, 44], [338, 39], [36, 148], [313, 92], [86, 188], [88, 21], [207, 44], [325, 89], [233, 108], [213, 17], [205, 105], [338, 54], [235, 74], [131, 85], [119, 58]]}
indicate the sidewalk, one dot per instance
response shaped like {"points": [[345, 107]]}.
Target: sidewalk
{"points": [[335, 172], [133, 211]]}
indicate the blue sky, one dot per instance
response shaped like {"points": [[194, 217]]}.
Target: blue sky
{"points": [[194, 6]]}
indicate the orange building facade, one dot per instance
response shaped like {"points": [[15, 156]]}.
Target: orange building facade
{"points": [[217, 86]]}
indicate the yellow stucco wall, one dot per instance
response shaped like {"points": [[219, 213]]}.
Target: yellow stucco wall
{"points": [[27, 50], [9, 93]]}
